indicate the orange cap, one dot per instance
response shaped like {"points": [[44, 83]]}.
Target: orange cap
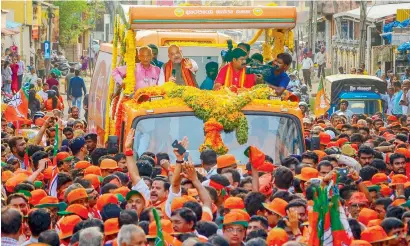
{"points": [[375, 222], [320, 154], [193, 192], [382, 129], [36, 196], [39, 122], [67, 224], [178, 202], [234, 203], [398, 179], [324, 138], [77, 209], [358, 198], [277, 236], [122, 190], [360, 243], [308, 173], [375, 234], [49, 200], [111, 226], [342, 141], [379, 178], [62, 155], [106, 199], [403, 151], [82, 165], [76, 194], [226, 161], [398, 202], [6, 175], [93, 170], [94, 179], [392, 118], [109, 164], [367, 215], [385, 190], [406, 185], [394, 124], [236, 216], [339, 126], [332, 144], [48, 172], [277, 206], [12, 182], [166, 227]]}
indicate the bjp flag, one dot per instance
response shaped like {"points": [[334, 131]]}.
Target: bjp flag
{"points": [[321, 103], [17, 107]]}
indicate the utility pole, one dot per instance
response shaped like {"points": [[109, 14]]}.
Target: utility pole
{"points": [[314, 27], [310, 30], [363, 35], [48, 61]]}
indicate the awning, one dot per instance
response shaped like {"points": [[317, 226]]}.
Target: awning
{"points": [[8, 32], [376, 12], [12, 24]]}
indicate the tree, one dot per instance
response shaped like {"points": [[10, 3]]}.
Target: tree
{"points": [[75, 17]]}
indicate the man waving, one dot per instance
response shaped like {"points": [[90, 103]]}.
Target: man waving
{"points": [[178, 69]]}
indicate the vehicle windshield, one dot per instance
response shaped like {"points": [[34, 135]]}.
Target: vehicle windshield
{"points": [[364, 106], [276, 135]]}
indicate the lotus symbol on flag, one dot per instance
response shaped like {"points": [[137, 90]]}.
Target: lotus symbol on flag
{"points": [[323, 103], [16, 102]]}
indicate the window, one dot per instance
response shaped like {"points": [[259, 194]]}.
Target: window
{"points": [[276, 135]]}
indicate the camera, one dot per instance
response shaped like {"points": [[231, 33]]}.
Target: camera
{"points": [[255, 68], [226, 54]]}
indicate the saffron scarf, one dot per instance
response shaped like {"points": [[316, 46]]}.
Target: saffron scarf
{"points": [[229, 77], [186, 73]]}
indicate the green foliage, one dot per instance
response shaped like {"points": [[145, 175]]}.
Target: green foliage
{"points": [[75, 17]]}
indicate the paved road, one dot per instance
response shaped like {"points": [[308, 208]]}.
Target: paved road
{"points": [[87, 81]]}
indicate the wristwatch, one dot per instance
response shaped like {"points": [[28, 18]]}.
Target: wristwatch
{"points": [[179, 162]]}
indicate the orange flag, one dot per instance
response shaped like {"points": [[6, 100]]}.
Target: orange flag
{"points": [[17, 107], [256, 157], [321, 103]]}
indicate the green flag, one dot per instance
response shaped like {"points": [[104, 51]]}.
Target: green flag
{"points": [[159, 241], [56, 141]]}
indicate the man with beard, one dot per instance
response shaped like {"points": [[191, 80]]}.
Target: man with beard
{"points": [[75, 113], [211, 72], [233, 74], [397, 164], [91, 142], [178, 69], [18, 149]]}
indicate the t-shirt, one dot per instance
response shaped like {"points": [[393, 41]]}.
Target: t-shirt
{"points": [[51, 82], [208, 84], [281, 80], [250, 79]]}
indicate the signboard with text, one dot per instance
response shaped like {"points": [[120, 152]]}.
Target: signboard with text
{"points": [[47, 49]]}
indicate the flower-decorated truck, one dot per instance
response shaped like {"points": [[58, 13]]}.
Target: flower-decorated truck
{"points": [[223, 120]]}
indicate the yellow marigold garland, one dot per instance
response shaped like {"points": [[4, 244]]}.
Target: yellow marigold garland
{"points": [[216, 108], [213, 139], [256, 37], [107, 127], [278, 45], [129, 57]]}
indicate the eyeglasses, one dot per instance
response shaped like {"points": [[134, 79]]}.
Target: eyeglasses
{"points": [[232, 229]]}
